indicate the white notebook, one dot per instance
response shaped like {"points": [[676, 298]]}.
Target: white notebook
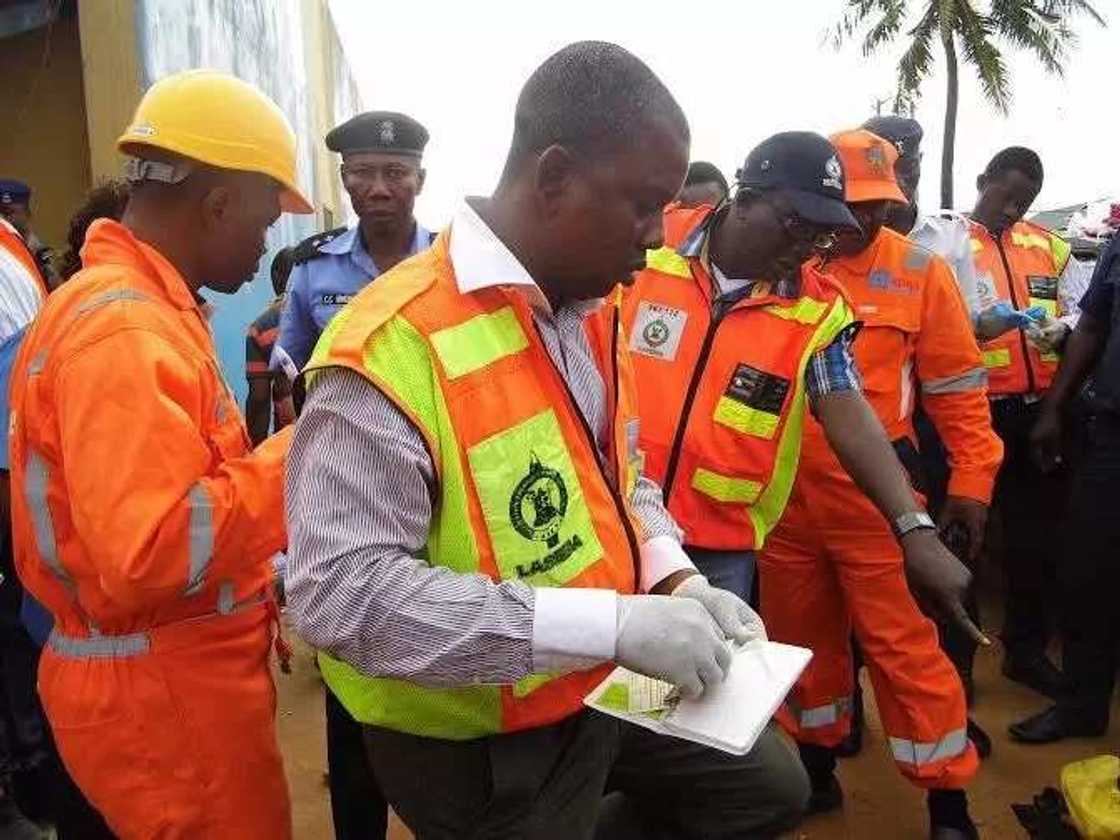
{"points": [[729, 716]]}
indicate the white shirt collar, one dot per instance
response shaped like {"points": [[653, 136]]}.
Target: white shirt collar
{"points": [[481, 260]]}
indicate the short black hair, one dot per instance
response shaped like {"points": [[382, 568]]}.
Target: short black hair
{"points": [[702, 172], [589, 96], [1018, 158], [105, 201], [282, 265]]}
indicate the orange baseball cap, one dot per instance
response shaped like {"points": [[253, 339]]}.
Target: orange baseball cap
{"points": [[868, 167]]}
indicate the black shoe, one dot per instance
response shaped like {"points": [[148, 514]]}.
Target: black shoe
{"points": [[853, 742], [1054, 724], [1036, 672], [979, 739], [948, 816], [827, 795]]}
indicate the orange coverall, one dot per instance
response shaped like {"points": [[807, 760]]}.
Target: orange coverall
{"points": [[833, 561], [144, 524]]}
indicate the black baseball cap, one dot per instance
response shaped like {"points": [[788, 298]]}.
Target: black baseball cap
{"points": [[904, 132], [805, 166]]}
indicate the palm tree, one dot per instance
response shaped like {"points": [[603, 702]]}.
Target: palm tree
{"points": [[1041, 27]]}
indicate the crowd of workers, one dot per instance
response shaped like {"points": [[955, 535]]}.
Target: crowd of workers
{"points": [[592, 421]]}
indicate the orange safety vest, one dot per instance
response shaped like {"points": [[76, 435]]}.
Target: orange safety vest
{"points": [[522, 492], [916, 342], [722, 389], [135, 502], [13, 243], [1023, 267]]}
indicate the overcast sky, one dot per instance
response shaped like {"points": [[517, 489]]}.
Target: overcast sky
{"points": [[741, 69]]}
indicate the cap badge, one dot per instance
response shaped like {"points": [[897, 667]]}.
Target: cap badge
{"points": [[765, 165], [388, 132], [876, 158], [833, 174]]}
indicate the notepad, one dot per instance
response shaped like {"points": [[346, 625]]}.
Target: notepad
{"points": [[729, 716]]}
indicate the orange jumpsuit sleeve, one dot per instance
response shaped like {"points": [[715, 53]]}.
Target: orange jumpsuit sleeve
{"points": [[159, 508], [954, 387]]}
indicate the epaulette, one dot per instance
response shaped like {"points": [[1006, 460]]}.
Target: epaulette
{"points": [[308, 249]]}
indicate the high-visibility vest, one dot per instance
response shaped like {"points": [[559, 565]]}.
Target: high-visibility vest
{"points": [[13, 243], [1023, 267], [722, 389], [522, 493]]}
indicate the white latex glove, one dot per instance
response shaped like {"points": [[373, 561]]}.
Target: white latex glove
{"points": [[673, 639], [733, 615], [1047, 335]]}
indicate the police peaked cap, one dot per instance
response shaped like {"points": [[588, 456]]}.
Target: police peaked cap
{"points": [[379, 131], [14, 192]]}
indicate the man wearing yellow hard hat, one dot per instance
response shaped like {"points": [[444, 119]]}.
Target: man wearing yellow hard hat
{"points": [[142, 518]]}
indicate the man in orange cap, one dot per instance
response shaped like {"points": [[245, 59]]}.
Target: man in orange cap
{"points": [[141, 518], [833, 564]]}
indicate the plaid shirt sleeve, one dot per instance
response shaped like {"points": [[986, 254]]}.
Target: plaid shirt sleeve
{"points": [[833, 368]]}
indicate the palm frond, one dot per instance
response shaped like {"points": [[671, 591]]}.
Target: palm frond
{"points": [[916, 62], [974, 32], [857, 14]]}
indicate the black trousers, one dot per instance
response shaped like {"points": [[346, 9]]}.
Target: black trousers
{"points": [[1032, 508], [1089, 576], [358, 808], [549, 783]]}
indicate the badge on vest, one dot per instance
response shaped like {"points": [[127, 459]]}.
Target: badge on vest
{"points": [[536, 510], [657, 330], [335, 299], [1044, 288], [757, 389]]}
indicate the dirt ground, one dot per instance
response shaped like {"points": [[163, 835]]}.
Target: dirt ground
{"points": [[879, 803]]}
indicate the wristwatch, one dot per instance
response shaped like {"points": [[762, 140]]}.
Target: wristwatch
{"points": [[915, 520]]}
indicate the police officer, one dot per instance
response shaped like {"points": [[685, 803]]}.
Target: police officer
{"points": [[381, 171], [15, 206]]}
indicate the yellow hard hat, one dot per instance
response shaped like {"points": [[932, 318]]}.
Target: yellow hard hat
{"points": [[219, 120]]}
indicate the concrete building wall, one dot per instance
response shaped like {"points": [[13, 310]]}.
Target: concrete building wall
{"points": [[44, 141]]}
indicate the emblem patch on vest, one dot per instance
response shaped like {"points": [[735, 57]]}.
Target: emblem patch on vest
{"points": [[1044, 288], [757, 389], [536, 510], [657, 330], [336, 299]]}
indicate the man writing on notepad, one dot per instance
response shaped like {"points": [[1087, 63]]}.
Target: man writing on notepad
{"points": [[481, 393]]}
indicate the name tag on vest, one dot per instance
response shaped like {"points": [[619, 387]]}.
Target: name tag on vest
{"points": [[758, 389], [1044, 288], [336, 299], [657, 330]]}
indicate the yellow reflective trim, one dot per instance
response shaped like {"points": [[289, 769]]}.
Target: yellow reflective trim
{"points": [[743, 418], [766, 512], [1049, 357], [805, 311], [481, 341], [996, 358], [1061, 251], [1051, 306], [668, 261], [1030, 240], [525, 687], [976, 245], [725, 488]]}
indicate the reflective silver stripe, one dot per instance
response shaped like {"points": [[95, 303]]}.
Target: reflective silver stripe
{"points": [[96, 646], [226, 602], [201, 530], [970, 380], [37, 363], [818, 716], [109, 297], [35, 492], [917, 753]]}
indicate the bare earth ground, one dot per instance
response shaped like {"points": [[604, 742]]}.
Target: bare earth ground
{"points": [[879, 803]]}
